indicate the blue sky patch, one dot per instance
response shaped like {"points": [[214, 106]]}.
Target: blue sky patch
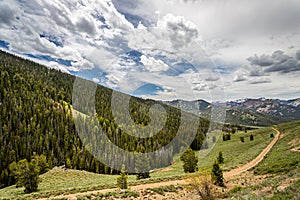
{"points": [[49, 58], [4, 44], [147, 89], [52, 39]]}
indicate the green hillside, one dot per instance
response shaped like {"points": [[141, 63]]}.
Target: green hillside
{"points": [[63, 181], [36, 119]]}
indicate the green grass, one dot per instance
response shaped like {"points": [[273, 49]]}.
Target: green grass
{"points": [[291, 192], [235, 152], [60, 181], [281, 159]]}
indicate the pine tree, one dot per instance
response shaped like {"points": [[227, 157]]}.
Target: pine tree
{"points": [[220, 158], [251, 137], [189, 160], [26, 174], [242, 139], [217, 175], [142, 166], [122, 179], [42, 163]]}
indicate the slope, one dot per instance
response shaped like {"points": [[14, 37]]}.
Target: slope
{"points": [[36, 118]]}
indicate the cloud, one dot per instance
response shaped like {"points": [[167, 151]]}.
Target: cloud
{"points": [[298, 55], [212, 78], [171, 33], [86, 24], [181, 32], [260, 80], [7, 14], [240, 78], [256, 71], [153, 65], [277, 62], [241, 75], [176, 38], [263, 60]]}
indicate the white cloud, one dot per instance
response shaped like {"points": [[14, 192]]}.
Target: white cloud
{"points": [[153, 65], [260, 80]]}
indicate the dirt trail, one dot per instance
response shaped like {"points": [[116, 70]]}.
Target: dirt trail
{"points": [[229, 174], [255, 161]]}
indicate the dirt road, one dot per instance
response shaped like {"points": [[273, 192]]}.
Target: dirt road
{"points": [[255, 161], [227, 175]]}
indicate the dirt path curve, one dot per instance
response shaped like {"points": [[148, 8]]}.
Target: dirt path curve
{"points": [[255, 161], [227, 175]]}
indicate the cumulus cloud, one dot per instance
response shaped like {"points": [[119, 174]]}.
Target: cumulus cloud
{"points": [[60, 29], [85, 24], [171, 33], [263, 60], [277, 62], [240, 75], [181, 32], [153, 65]]}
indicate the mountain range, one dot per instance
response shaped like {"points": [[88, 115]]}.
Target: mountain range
{"points": [[254, 112]]}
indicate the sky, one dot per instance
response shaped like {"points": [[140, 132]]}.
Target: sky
{"points": [[163, 49]]}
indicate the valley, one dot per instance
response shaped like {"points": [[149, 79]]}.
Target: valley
{"points": [[39, 102]]}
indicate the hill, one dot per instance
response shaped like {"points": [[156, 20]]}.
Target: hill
{"points": [[279, 169], [36, 118]]}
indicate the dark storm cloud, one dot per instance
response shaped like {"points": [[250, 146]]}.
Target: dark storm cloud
{"points": [[277, 62]]}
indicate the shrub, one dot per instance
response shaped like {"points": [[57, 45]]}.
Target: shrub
{"points": [[201, 183], [214, 139], [217, 175], [251, 137], [189, 160], [26, 174], [236, 189], [242, 139], [220, 158], [122, 179], [142, 166]]}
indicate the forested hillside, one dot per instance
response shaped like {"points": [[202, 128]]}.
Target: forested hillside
{"points": [[36, 118]]}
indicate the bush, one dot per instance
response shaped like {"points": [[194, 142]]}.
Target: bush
{"points": [[122, 179], [42, 163], [189, 160], [251, 137], [214, 139], [201, 183], [220, 158], [242, 139], [226, 137], [26, 174], [235, 189], [217, 175], [142, 166]]}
